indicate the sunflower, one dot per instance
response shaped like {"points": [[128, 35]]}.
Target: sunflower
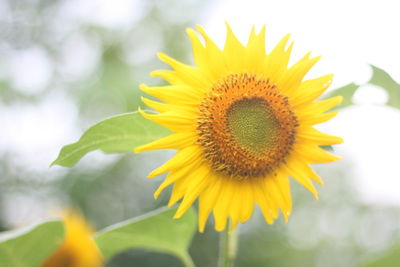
{"points": [[242, 122], [78, 248]]}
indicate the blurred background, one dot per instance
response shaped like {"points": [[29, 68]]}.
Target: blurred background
{"points": [[66, 64]]}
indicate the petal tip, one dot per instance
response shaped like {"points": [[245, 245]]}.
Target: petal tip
{"points": [[227, 25], [161, 55], [143, 86], [152, 174], [189, 30], [340, 140], [179, 214]]}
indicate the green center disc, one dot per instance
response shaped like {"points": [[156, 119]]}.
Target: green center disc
{"points": [[252, 125]]}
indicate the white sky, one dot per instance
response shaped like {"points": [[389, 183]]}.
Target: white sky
{"points": [[349, 35]]}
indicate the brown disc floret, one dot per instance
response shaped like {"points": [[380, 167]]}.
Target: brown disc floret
{"points": [[246, 126]]}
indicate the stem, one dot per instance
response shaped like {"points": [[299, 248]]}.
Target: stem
{"points": [[227, 248]]}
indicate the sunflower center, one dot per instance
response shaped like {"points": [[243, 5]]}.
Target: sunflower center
{"points": [[246, 126], [252, 125]]}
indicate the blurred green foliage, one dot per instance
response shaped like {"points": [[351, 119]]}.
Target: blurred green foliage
{"points": [[389, 258]]}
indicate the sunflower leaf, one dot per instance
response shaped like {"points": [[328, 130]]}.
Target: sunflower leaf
{"points": [[347, 92], [30, 246], [156, 231], [383, 79], [113, 135]]}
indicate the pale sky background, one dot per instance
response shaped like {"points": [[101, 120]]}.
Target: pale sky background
{"points": [[349, 35]]}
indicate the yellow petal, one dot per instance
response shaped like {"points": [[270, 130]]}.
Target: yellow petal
{"points": [[255, 51], [283, 185], [182, 158], [275, 194], [302, 178], [276, 62], [175, 175], [173, 141], [175, 121], [207, 201], [198, 183], [302, 167], [222, 205], [214, 64], [232, 50], [310, 90], [199, 51], [248, 201], [293, 77], [313, 119], [313, 154], [169, 75], [188, 74], [309, 134], [265, 208], [235, 208], [185, 110], [268, 210], [322, 105], [174, 94], [178, 191]]}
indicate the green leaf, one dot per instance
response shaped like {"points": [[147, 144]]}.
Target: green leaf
{"points": [[347, 92], [383, 79], [156, 231], [116, 134], [30, 246]]}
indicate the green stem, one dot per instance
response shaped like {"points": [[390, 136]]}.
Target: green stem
{"points": [[227, 248]]}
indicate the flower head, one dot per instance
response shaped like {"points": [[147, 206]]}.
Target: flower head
{"points": [[242, 122], [78, 248]]}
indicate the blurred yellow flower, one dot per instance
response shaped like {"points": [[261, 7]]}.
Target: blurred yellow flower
{"points": [[242, 121], [78, 248]]}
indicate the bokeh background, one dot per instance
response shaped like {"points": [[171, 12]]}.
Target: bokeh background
{"points": [[66, 64]]}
